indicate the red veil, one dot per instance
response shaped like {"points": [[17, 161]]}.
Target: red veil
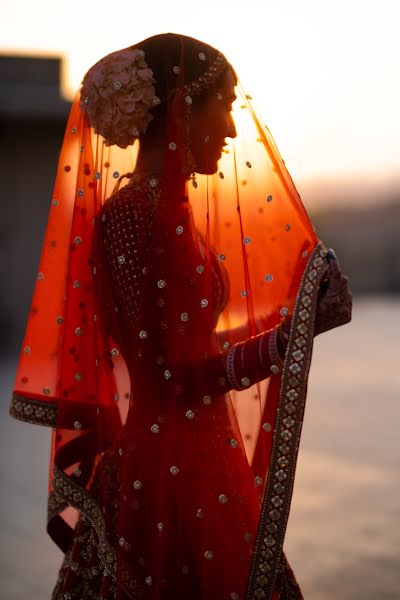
{"points": [[171, 473]]}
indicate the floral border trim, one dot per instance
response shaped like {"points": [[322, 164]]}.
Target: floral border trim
{"points": [[70, 493], [279, 488], [55, 505], [33, 411]]}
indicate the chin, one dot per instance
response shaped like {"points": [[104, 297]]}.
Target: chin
{"points": [[210, 169]]}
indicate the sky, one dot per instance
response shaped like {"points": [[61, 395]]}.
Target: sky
{"points": [[324, 74]]}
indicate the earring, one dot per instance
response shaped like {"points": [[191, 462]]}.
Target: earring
{"points": [[193, 179]]}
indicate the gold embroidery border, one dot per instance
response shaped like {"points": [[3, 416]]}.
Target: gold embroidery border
{"points": [[33, 411], [67, 492], [279, 488]]}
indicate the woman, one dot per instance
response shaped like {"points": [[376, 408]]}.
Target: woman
{"points": [[169, 343]]}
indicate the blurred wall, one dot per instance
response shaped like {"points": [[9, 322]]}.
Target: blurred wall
{"points": [[367, 242], [32, 123]]}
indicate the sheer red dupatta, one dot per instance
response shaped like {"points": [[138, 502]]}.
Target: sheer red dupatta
{"points": [[205, 480]]}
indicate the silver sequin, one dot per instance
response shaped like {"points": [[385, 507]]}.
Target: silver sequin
{"points": [[78, 331], [114, 352], [161, 283], [156, 100], [284, 311], [77, 472], [143, 334], [202, 56], [225, 345], [149, 580], [243, 293], [174, 470], [27, 350], [97, 175], [246, 240], [80, 192], [78, 376], [179, 229], [268, 278], [204, 303], [155, 428], [117, 86], [188, 100], [184, 316], [245, 381], [223, 498], [221, 257], [137, 484], [167, 374], [121, 259], [116, 174], [77, 425], [200, 269], [207, 400], [209, 554], [274, 369], [153, 182], [160, 526], [189, 415], [258, 481], [176, 70], [172, 146], [267, 426], [233, 443]]}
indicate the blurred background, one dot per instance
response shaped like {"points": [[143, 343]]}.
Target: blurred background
{"points": [[325, 78]]}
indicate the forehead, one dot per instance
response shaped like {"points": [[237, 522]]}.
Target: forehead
{"points": [[228, 85]]}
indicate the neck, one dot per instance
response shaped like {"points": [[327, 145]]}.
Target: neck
{"points": [[150, 157]]}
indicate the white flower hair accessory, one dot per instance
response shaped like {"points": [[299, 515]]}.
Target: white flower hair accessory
{"points": [[117, 94]]}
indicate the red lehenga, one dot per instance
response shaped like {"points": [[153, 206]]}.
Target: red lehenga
{"points": [[172, 465]]}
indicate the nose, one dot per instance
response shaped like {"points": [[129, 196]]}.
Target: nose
{"points": [[231, 130]]}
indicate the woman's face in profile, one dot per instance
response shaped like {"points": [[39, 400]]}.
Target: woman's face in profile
{"points": [[211, 124]]}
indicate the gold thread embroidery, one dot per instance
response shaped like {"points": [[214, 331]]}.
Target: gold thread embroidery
{"points": [[55, 505], [278, 493], [33, 411], [78, 497]]}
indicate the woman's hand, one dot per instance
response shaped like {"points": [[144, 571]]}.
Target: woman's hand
{"points": [[335, 300]]}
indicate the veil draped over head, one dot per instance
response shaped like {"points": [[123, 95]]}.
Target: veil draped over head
{"points": [[175, 234]]}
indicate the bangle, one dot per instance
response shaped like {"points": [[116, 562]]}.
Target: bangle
{"points": [[260, 352], [230, 367], [275, 359], [230, 370]]}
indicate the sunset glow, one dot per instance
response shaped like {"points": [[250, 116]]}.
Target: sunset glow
{"points": [[323, 74]]}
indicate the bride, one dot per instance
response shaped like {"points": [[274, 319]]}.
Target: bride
{"points": [[169, 343]]}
